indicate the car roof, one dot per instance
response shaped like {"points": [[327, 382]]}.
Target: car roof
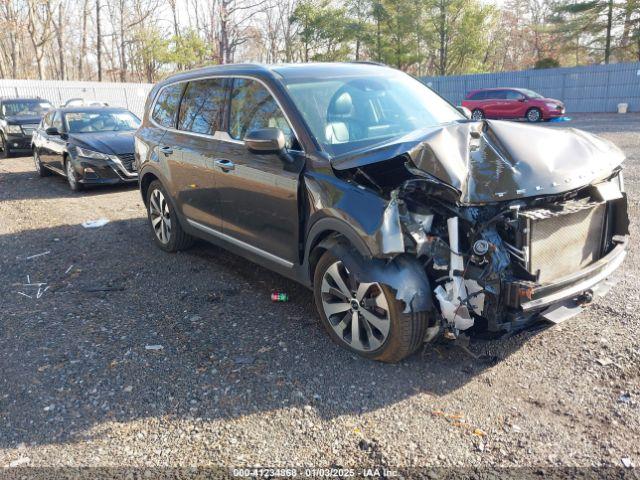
{"points": [[22, 99], [282, 71], [494, 88], [91, 109]]}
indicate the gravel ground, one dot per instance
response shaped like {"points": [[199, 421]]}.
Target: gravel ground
{"points": [[135, 357]]}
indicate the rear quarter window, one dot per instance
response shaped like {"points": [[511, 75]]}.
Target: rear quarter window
{"points": [[166, 106], [478, 96]]}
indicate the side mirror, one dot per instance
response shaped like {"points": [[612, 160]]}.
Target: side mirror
{"points": [[464, 111], [52, 131], [265, 140]]}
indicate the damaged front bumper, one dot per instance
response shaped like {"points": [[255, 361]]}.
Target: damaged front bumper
{"points": [[526, 298]]}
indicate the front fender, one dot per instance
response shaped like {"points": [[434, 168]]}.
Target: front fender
{"points": [[351, 210], [404, 274]]}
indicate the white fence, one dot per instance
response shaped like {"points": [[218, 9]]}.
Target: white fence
{"points": [[127, 95]]}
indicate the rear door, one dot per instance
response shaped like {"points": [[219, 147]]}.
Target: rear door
{"points": [[194, 174], [259, 192], [494, 103], [40, 138], [166, 139], [56, 144]]}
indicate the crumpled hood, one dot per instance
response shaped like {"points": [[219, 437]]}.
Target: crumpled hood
{"points": [[497, 160], [106, 142]]}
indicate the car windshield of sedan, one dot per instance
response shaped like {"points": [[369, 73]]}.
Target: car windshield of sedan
{"points": [[355, 112], [88, 122], [26, 108]]}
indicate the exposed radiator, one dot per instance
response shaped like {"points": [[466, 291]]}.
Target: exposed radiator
{"points": [[564, 241]]}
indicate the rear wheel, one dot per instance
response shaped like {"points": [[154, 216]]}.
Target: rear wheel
{"points": [[167, 231], [477, 114], [4, 148], [534, 115], [42, 171], [365, 318]]}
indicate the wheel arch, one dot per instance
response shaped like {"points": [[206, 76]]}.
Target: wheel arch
{"points": [[324, 234], [146, 180], [526, 114]]}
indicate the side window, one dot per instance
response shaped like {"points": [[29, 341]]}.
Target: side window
{"points": [[166, 106], [57, 121], [513, 95], [252, 107], [500, 94], [201, 106], [479, 96], [46, 120]]}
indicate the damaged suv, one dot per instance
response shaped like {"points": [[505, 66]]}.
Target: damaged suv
{"points": [[408, 220]]}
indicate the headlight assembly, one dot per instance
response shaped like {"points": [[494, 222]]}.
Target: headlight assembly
{"points": [[83, 152], [14, 129], [551, 105]]}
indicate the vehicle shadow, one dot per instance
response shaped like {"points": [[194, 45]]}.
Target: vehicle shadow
{"points": [[126, 331], [53, 186]]}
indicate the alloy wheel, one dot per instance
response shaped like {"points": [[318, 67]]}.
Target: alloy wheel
{"points": [[3, 146], [477, 115], [357, 312], [533, 115], [36, 160], [160, 216], [71, 176]]}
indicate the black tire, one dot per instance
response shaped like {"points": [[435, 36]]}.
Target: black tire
{"points": [[177, 239], [4, 148], [477, 114], [406, 331], [72, 178], [42, 171], [533, 115]]}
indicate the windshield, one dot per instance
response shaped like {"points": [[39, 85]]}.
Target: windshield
{"points": [[26, 108], [87, 122], [354, 112], [530, 93]]}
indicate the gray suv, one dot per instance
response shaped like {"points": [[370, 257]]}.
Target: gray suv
{"points": [[408, 220]]}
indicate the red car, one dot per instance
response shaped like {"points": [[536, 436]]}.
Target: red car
{"points": [[512, 103]]}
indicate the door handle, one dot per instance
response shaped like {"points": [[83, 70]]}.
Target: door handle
{"points": [[166, 150], [224, 164]]}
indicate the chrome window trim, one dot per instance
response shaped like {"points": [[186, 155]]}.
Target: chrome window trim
{"points": [[215, 136], [240, 243]]}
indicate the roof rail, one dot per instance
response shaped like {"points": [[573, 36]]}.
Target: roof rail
{"points": [[368, 62]]}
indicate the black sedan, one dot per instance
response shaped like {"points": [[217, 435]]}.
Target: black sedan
{"points": [[89, 146]]}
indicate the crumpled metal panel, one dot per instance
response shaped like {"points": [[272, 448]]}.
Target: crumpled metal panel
{"points": [[495, 160], [404, 274]]}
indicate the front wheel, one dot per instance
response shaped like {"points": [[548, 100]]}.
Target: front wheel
{"points": [[477, 114], [365, 318], [167, 231], [534, 115], [72, 178]]}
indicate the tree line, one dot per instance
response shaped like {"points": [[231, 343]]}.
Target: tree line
{"points": [[145, 40]]}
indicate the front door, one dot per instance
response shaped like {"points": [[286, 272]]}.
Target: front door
{"points": [[258, 192]]}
